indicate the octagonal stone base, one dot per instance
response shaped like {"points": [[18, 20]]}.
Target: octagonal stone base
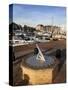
{"points": [[39, 76]]}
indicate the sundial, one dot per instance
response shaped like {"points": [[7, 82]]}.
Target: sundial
{"points": [[40, 67], [39, 60]]}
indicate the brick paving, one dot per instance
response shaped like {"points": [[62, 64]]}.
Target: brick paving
{"points": [[61, 77]]}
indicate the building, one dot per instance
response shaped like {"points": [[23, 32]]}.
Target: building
{"points": [[48, 28], [52, 29], [40, 27]]}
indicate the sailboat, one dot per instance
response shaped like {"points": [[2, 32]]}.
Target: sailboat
{"points": [[40, 56]]}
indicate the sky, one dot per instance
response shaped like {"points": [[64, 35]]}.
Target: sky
{"points": [[33, 15]]}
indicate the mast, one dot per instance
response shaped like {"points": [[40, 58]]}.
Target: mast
{"points": [[52, 29]]}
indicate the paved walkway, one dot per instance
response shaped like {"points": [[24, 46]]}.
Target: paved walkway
{"points": [[22, 53], [61, 78]]}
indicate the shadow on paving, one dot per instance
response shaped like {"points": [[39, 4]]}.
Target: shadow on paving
{"points": [[62, 57]]}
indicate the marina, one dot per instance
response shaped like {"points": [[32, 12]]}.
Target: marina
{"points": [[37, 45]]}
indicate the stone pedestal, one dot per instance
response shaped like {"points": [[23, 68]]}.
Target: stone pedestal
{"points": [[39, 76]]}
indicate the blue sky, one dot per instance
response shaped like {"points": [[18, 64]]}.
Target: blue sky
{"points": [[37, 14]]}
